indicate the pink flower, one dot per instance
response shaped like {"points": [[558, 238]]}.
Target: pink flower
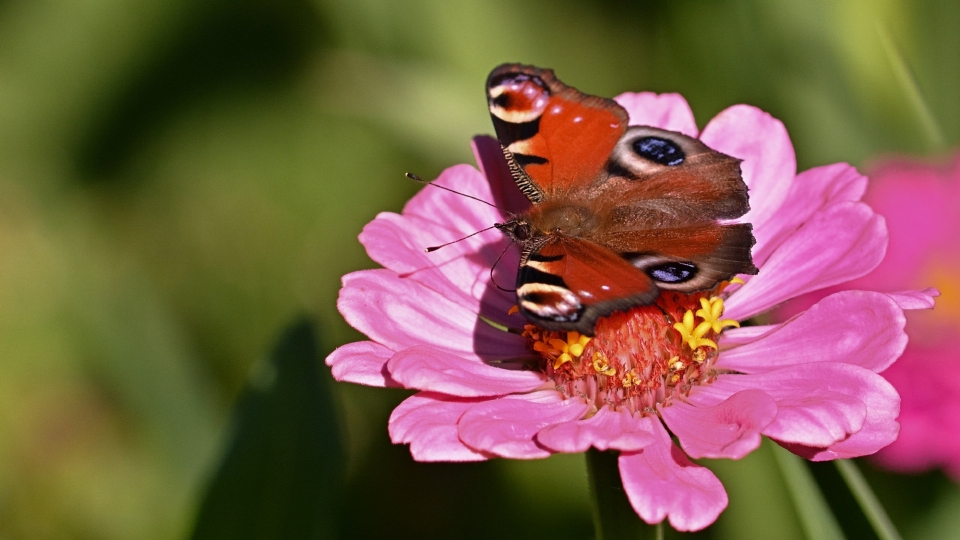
{"points": [[921, 203], [811, 383]]}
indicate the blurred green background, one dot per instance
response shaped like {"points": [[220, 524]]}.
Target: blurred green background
{"points": [[182, 180]]}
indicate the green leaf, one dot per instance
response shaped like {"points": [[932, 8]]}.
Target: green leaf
{"points": [[281, 473]]}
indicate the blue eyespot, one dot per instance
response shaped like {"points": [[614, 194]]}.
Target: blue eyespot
{"points": [[659, 150], [673, 272]]}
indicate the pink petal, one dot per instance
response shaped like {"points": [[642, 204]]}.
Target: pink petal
{"points": [[450, 210], [733, 337], [399, 243], [428, 422], [426, 368], [507, 427], [402, 313], [812, 190], [840, 243], [730, 429], [818, 404], [880, 428], [915, 299], [363, 362], [459, 272], [664, 111], [489, 155], [661, 482], [855, 327], [769, 164], [605, 430]]}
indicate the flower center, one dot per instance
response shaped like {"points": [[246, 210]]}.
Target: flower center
{"points": [[639, 358]]}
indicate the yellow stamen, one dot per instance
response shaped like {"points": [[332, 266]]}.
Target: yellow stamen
{"points": [[602, 366], [561, 360], [630, 379], [726, 284], [711, 310], [675, 363], [565, 351], [693, 335]]}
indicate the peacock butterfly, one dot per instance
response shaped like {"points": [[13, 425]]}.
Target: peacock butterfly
{"points": [[618, 212]]}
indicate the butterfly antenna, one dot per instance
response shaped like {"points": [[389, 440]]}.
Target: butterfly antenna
{"points": [[494, 281], [416, 178], [434, 248]]}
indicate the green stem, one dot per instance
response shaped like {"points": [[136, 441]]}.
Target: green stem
{"points": [[869, 503], [613, 517], [815, 516], [911, 90]]}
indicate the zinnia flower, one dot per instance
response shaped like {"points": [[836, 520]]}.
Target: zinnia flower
{"points": [[921, 203], [491, 385]]}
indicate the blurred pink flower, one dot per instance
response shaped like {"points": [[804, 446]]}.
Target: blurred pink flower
{"points": [[921, 203], [810, 384]]}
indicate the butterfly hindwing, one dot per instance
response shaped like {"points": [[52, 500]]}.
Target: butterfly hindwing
{"points": [[688, 258], [568, 283]]}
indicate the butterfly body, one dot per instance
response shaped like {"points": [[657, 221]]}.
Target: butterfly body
{"points": [[618, 212]]}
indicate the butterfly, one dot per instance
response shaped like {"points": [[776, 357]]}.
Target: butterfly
{"points": [[619, 213]]}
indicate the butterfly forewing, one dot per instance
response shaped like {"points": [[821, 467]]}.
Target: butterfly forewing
{"points": [[690, 184], [557, 138]]}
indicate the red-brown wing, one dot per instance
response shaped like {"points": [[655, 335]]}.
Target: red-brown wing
{"points": [[556, 139], [658, 178], [662, 206], [689, 258], [568, 283]]}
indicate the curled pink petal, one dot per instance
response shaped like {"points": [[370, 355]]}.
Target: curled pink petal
{"points": [[363, 362], [661, 482], [915, 299], [855, 327], [818, 404], [426, 368], [508, 427], [880, 428], [769, 164], [605, 430], [730, 429], [804, 262], [664, 111], [428, 422]]}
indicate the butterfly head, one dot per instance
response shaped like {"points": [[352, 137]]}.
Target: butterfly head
{"points": [[517, 229]]}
